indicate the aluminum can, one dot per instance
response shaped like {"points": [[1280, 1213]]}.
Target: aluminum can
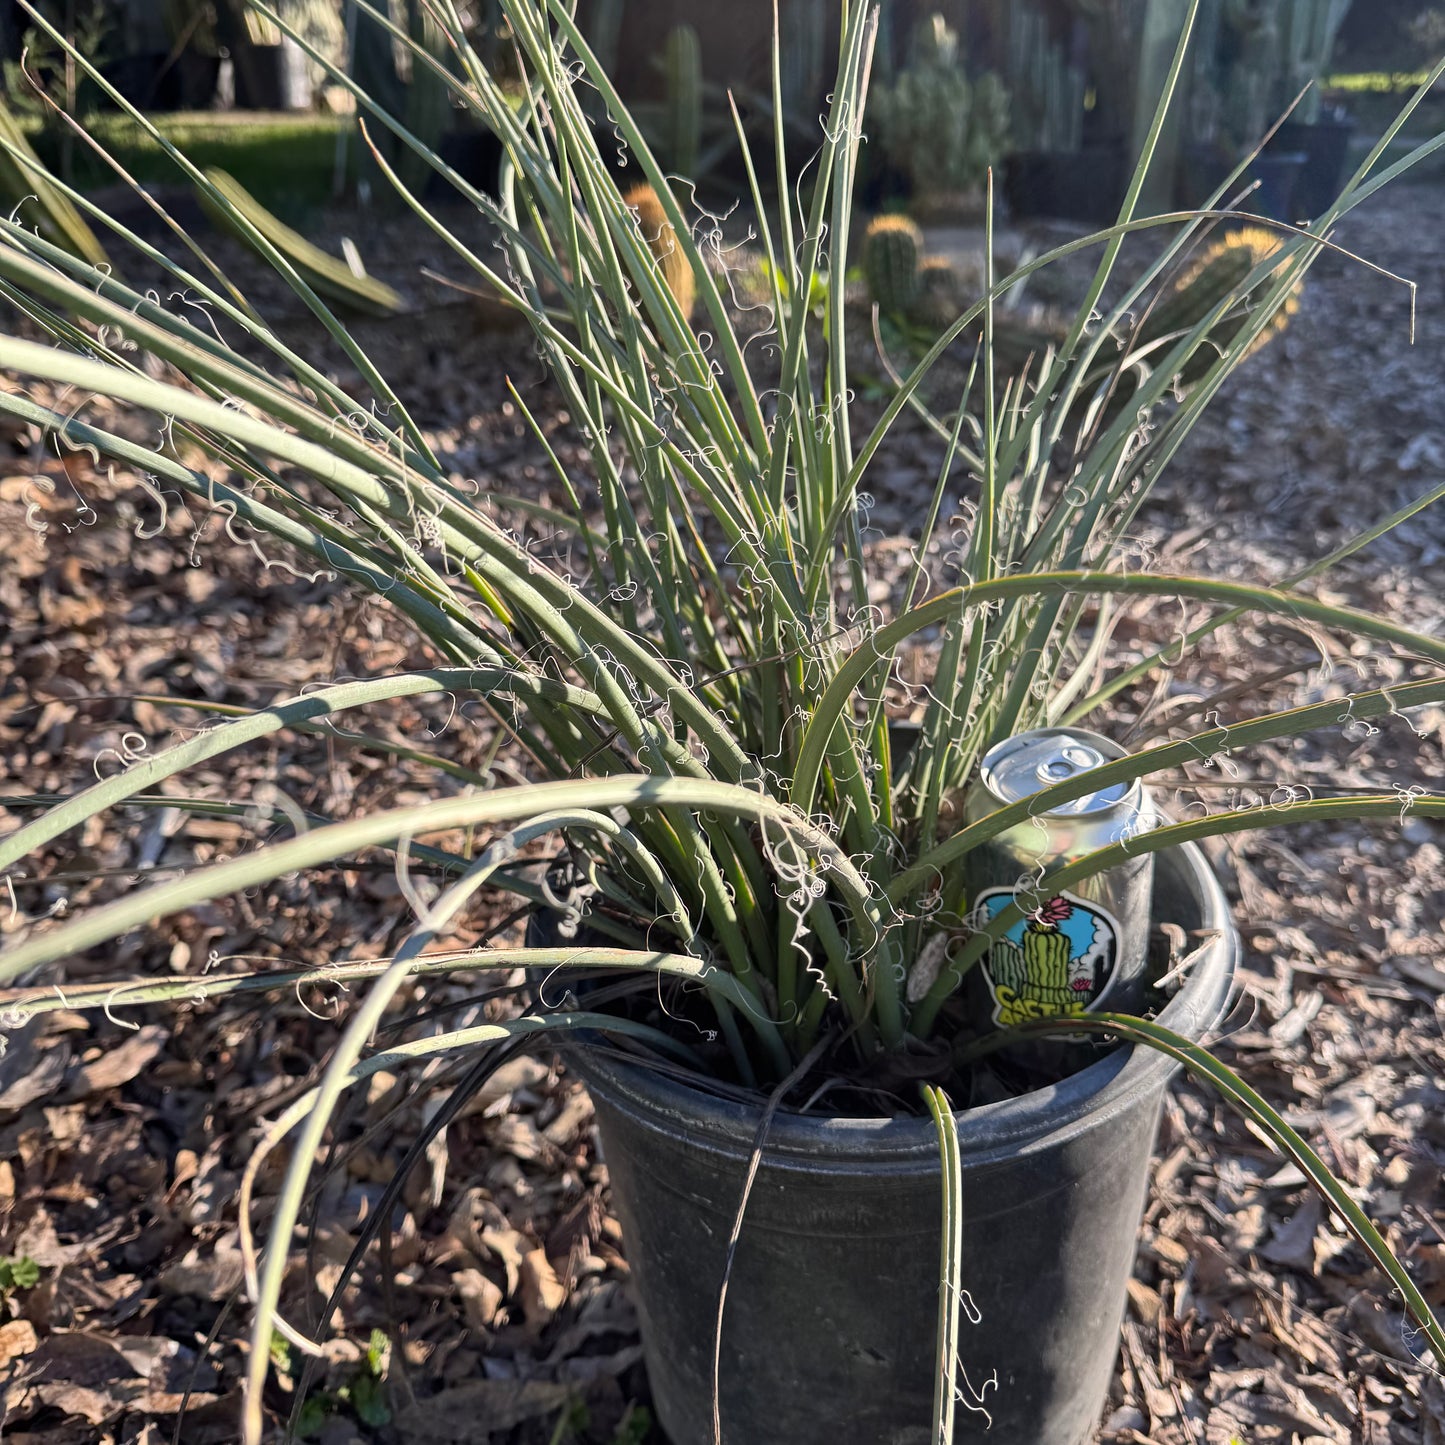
{"points": [[1078, 949]]}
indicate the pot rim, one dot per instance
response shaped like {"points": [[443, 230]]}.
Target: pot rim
{"points": [[1041, 1119]]}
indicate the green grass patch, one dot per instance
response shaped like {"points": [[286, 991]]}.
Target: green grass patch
{"points": [[278, 158]]}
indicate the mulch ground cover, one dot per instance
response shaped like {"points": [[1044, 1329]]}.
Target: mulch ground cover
{"points": [[502, 1310]]}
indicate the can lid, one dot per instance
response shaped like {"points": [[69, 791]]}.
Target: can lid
{"points": [[1026, 764]]}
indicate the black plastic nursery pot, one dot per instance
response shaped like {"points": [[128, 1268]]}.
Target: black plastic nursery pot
{"points": [[1325, 146], [160, 81], [1274, 174], [831, 1312], [273, 77], [475, 155], [1085, 185]]}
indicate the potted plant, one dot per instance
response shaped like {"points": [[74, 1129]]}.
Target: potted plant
{"points": [[939, 128], [1261, 62], [772, 891], [1057, 168], [1319, 132]]}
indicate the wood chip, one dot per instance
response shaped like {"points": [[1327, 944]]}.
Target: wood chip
{"points": [[542, 1293]]}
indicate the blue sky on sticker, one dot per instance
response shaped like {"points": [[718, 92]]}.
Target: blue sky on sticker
{"points": [[1079, 925]]}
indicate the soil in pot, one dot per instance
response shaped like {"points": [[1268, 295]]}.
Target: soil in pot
{"points": [[829, 1327]]}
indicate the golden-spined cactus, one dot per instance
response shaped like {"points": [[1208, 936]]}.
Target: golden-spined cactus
{"points": [[892, 249], [940, 292], [1218, 270], [657, 231]]}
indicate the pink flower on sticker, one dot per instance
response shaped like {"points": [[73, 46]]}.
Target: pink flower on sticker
{"points": [[1081, 985], [1054, 912]]}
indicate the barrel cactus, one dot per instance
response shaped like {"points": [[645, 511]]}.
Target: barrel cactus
{"points": [[892, 248], [657, 231], [1046, 952], [940, 292]]}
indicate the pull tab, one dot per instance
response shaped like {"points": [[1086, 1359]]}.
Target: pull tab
{"points": [[1074, 758]]}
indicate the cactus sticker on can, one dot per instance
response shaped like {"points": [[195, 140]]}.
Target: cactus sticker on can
{"points": [[1058, 961]]}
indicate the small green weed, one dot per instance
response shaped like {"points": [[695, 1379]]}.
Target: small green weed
{"points": [[18, 1273], [635, 1427], [363, 1396]]}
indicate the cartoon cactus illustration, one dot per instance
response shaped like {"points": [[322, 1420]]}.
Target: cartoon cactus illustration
{"points": [[657, 231], [892, 246], [682, 71], [1006, 966], [1046, 950]]}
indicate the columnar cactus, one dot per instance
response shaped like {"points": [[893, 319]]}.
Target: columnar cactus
{"points": [[682, 70], [892, 247], [657, 231], [987, 124], [943, 131], [428, 110], [1047, 90], [1217, 272]]}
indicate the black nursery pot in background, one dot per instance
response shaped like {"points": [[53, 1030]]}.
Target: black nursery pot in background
{"points": [[1324, 144], [1274, 174], [475, 155], [831, 1311], [160, 81], [1084, 185], [273, 77]]}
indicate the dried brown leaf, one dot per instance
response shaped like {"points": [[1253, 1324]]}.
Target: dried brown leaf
{"points": [[206, 1273], [471, 1414], [28, 1073], [17, 1339], [1292, 1243], [481, 1297]]}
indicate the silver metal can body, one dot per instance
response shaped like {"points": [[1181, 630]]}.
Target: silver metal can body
{"points": [[1079, 949]]}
